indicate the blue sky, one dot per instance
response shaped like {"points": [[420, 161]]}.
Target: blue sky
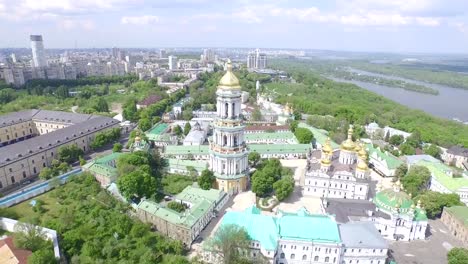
{"points": [[357, 25]]}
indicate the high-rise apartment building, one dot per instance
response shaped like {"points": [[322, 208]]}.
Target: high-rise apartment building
{"points": [[208, 55], [37, 47], [162, 54], [172, 62], [256, 60]]}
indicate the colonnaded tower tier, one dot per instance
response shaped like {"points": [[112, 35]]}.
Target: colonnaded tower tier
{"points": [[228, 151]]}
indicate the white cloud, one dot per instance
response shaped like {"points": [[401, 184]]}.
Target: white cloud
{"points": [[139, 20], [69, 24], [247, 15]]}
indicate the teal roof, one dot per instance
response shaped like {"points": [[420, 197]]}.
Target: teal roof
{"points": [[320, 135], [269, 229], [261, 228], [104, 165], [391, 161], [182, 164], [309, 227], [439, 171], [270, 136], [389, 199]]}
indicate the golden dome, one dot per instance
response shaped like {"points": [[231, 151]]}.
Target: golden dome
{"points": [[348, 144], [327, 148], [229, 81], [362, 166], [358, 147], [362, 153], [325, 162], [137, 139]]}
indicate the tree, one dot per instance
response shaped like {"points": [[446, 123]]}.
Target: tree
{"points": [[416, 180], [62, 92], [303, 135], [297, 115], [457, 256], [387, 136], [283, 188], [434, 202], [432, 150], [70, 153], [414, 139], [130, 111], [101, 105], [43, 256], [117, 147], [187, 128], [137, 183], [144, 124], [396, 140], [187, 114], [29, 236], [228, 241], [254, 158], [407, 149], [206, 179], [82, 161], [262, 183], [256, 115], [177, 130], [401, 171], [176, 206], [293, 125]]}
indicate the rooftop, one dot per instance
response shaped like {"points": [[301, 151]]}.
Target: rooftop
{"points": [[270, 136], [361, 235], [105, 165], [183, 164], [9, 254], [23, 149], [439, 171], [458, 151], [158, 129], [279, 148], [150, 100], [344, 209], [320, 135], [391, 161]]}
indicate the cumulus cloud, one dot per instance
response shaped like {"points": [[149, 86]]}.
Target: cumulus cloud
{"points": [[69, 24], [139, 20]]}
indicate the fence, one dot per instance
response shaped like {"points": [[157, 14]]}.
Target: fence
{"points": [[9, 225], [33, 191]]}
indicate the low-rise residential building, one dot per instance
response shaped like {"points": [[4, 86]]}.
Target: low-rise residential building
{"points": [[374, 131], [202, 206], [302, 237], [444, 180], [339, 173], [383, 162], [159, 136], [10, 254], [456, 220], [457, 156], [197, 135], [271, 138], [104, 168], [392, 211], [48, 131]]}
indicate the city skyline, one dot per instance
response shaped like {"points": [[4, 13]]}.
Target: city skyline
{"points": [[426, 26]]}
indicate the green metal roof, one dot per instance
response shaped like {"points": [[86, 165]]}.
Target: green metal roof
{"points": [[200, 200], [392, 161], [183, 164], [268, 229], [459, 212], [103, 165], [271, 136], [439, 171], [319, 134], [279, 148], [158, 129], [388, 199], [182, 150]]}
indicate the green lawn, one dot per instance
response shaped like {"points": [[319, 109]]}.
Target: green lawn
{"points": [[25, 211]]}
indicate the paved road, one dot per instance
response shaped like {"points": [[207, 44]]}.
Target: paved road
{"points": [[433, 250]]}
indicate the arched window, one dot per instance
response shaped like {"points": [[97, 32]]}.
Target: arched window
{"points": [[304, 257], [224, 140], [293, 256], [233, 109], [282, 255], [316, 258], [235, 140], [327, 259], [226, 109]]}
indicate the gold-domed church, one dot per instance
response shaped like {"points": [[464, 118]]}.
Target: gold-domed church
{"points": [[228, 151], [338, 173]]}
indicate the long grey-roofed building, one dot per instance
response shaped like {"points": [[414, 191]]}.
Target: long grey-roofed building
{"points": [[30, 139]]}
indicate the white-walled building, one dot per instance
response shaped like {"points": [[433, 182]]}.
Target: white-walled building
{"points": [[304, 238], [338, 173]]}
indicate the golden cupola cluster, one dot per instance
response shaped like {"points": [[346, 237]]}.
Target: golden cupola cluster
{"points": [[229, 81], [327, 152], [348, 144]]}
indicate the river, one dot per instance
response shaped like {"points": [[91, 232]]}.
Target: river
{"points": [[451, 103]]}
